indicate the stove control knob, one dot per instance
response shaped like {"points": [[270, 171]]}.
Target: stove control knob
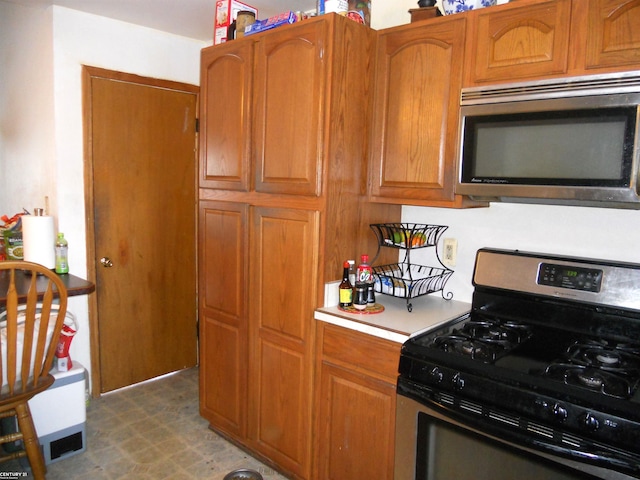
{"points": [[590, 422], [435, 375], [560, 413], [457, 381]]}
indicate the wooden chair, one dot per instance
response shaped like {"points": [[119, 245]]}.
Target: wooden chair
{"points": [[29, 336]]}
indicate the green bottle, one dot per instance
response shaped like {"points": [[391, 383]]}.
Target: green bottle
{"points": [[62, 254]]}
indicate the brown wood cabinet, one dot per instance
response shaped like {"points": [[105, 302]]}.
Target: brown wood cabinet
{"points": [[533, 39], [356, 402], [289, 81], [225, 116], [415, 117], [612, 34], [289, 123], [223, 315], [283, 274], [523, 40], [282, 205]]}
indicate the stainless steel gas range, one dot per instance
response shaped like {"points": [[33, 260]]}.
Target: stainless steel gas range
{"points": [[539, 380]]}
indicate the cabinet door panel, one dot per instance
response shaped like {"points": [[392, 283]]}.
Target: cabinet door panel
{"points": [[284, 269], [289, 97], [282, 405], [223, 316], [357, 434], [370, 354], [222, 372], [513, 43], [223, 246], [418, 82], [225, 133], [283, 279], [355, 402], [613, 33]]}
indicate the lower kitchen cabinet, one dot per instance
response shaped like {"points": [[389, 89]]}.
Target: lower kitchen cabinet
{"points": [[356, 404], [258, 273]]}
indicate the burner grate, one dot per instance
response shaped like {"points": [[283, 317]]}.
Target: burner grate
{"points": [[610, 368], [484, 340]]}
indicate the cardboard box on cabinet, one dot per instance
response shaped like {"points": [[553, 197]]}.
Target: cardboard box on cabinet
{"points": [[226, 13]]}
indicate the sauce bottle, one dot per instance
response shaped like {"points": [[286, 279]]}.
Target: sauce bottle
{"points": [[364, 273], [345, 287]]}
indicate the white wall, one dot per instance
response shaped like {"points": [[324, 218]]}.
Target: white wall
{"points": [[41, 147], [577, 231], [27, 150], [389, 13]]}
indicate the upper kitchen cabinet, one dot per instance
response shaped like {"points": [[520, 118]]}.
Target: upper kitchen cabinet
{"points": [[290, 79], [415, 117], [612, 34], [225, 126], [533, 39], [523, 40]]}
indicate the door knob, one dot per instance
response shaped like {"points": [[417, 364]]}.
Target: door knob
{"points": [[106, 262]]}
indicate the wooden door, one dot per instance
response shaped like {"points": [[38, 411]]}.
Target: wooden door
{"points": [[143, 173], [223, 316], [283, 275]]}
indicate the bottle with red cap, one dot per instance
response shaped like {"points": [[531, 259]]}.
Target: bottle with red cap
{"points": [[364, 278], [364, 273]]}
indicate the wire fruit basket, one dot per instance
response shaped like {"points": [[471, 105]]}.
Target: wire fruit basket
{"points": [[405, 279]]}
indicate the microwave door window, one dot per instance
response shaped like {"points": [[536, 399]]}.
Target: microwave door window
{"points": [[584, 148]]}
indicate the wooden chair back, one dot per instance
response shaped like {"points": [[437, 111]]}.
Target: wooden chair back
{"points": [[31, 326]]}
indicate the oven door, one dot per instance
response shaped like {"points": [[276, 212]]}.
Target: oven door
{"points": [[431, 446]]}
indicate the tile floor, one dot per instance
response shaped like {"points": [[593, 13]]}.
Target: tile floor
{"points": [[150, 431]]}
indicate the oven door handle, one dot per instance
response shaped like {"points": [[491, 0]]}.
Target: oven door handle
{"points": [[620, 461]]}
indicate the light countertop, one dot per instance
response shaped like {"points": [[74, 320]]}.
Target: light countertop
{"points": [[396, 323]]}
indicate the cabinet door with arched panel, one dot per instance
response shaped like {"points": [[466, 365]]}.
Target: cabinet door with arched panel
{"points": [[518, 41]]}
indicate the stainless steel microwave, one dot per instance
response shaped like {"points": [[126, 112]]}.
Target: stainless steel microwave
{"points": [[571, 141]]}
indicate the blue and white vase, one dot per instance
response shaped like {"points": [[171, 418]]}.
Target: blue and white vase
{"points": [[458, 6]]}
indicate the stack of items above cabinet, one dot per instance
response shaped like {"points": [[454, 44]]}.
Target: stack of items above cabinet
{"points": [[282, 203]]}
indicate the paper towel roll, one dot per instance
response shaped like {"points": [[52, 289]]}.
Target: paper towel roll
{"points": [[38, 240]]}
